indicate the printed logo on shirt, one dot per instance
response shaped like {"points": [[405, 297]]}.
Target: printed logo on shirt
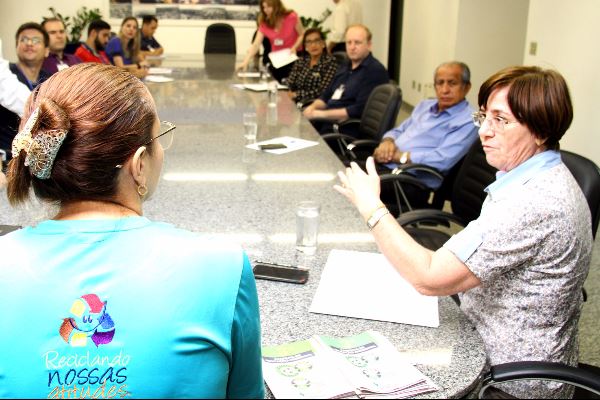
{"points": [[89, 319], [84, 371]]}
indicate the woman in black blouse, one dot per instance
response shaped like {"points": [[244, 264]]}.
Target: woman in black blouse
{"points": [[312, 73]]}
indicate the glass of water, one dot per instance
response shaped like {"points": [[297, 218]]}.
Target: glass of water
{"points": [[250, 125], [307, 226]]}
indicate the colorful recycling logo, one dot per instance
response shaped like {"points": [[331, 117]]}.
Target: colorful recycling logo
{"points": [[89, 319]]}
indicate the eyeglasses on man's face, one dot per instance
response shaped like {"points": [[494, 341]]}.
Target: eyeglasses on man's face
{"points": [[452, 83], [496, 123], [165, 137], [33, 40], [311, 42]]}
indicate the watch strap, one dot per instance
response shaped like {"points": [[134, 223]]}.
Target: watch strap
{"points": [[376, 217]]}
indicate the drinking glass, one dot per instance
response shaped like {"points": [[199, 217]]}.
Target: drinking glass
{"points": [[250, 125], [307, 226]]}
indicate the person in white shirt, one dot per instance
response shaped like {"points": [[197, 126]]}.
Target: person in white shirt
{"points": [[345, 14], [13, 93]]}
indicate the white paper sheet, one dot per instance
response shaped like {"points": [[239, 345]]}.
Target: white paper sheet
{"points": [[158, 78], [262, 87], [248, 74], [292, 144], [365, 285], [282, 57], [157, 70]]}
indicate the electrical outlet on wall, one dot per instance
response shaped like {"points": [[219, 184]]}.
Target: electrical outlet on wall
{"points": [[532, 48]]}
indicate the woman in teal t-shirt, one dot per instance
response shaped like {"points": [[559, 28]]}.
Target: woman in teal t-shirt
{"points": [[100, 301]]}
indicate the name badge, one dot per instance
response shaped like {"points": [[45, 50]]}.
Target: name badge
{"points": [[61, 65], [278, 42], [338, 93]]}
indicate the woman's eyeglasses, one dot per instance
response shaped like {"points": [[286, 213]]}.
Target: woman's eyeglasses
{"points": [[496, 123], [165, 138]]}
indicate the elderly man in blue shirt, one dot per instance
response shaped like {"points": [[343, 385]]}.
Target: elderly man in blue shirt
{"points": [[438, 133]]}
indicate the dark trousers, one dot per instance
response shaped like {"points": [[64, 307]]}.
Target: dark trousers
{"points": [[281, 73], [324, 127], [393, 199]]}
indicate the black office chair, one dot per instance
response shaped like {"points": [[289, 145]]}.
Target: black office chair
{"points": [[402, 180], [378, 117], [587, 175], [474, 175], [341, 57], [585, 378], [220, 39]]}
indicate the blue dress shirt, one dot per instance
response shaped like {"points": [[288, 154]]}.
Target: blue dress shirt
{"points": [[436, 139], [115, 48]]}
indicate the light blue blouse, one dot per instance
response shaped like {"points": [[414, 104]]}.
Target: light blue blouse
{"points": [[126, 308]]}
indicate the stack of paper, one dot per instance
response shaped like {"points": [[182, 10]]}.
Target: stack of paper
{"points": [[365, 285], [157, 78], [157, 70], [282, 57], [262, 87], [248, 74], [289, 144], [366, 365]]}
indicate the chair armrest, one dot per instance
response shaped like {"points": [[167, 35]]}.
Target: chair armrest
{"points": [[418, 167], [399, 172], [541, 370], [403, 178], [429, 215], [337, 136], [363, 143], [349, 121]]}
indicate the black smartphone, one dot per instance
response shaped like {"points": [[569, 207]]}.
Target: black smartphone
{"points": [[272, 146], [277, 272]]}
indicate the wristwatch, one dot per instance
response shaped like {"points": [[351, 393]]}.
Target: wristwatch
{"points": [[376, 217], [404, 157]]}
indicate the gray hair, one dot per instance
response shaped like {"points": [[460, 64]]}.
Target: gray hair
{"points": [[466, 72]]}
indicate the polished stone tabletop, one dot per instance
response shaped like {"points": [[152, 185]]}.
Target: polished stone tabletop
{"points": [[212, 183]]}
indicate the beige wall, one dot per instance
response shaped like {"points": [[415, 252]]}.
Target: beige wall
{"points": [[185, 36], [466, 30], [428, 37], [487, 40], [489, 35], [567, 40]]}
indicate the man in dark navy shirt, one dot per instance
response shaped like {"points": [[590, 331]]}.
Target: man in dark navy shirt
{"points": [[349, 90], [149, 45]]}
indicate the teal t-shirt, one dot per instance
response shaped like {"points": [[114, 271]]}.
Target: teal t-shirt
{"points": [[126, 308]]}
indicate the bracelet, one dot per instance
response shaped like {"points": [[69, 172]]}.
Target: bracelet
{"points": [[376, 217]]}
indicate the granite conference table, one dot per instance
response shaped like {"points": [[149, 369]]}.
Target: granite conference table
{"points": [[211, 183]]}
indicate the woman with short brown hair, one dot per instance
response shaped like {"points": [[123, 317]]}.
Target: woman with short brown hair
{"points": [[519, 268]]}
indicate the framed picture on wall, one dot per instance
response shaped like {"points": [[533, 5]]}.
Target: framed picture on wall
{"points": [[244, 10]]}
